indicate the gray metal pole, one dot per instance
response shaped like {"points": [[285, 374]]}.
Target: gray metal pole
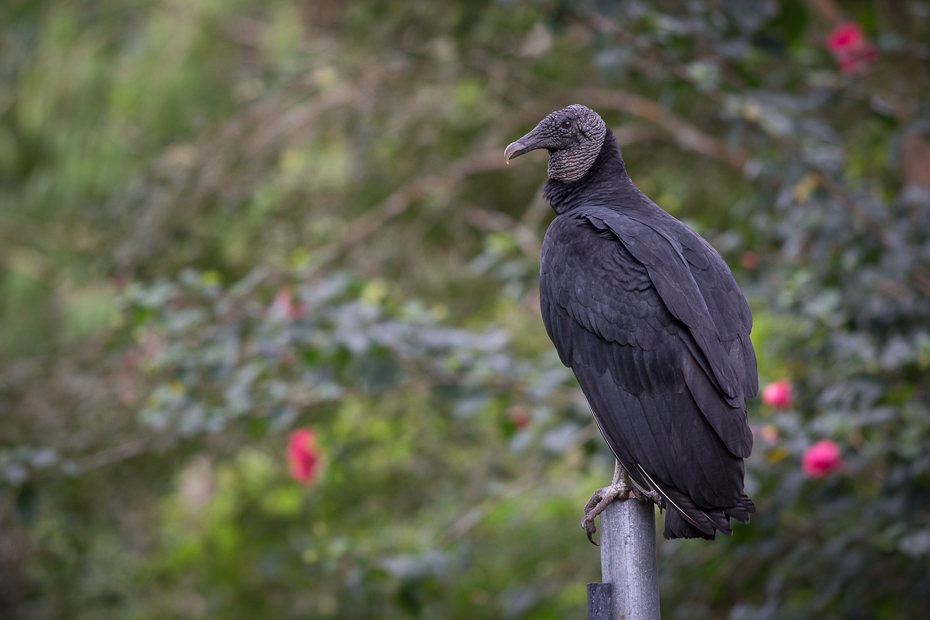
{"points": [[628, 559]]}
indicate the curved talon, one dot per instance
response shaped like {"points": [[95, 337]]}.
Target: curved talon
{"points": [[600, 499], [588, 523], [620, 489]]}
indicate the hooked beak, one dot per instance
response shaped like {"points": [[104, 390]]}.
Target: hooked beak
{"points": [[514, 149], [529, 142]]}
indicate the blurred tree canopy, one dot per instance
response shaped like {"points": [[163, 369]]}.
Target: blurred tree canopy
{"points": [[224, 220]]}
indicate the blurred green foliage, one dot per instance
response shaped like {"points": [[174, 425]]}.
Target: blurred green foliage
{"points": [[220, 221]]}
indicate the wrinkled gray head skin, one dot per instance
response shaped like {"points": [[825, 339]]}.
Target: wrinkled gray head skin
{"points": [[573, 136]]}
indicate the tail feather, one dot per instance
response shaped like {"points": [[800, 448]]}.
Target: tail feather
{"points": [[741, 511], [684, 513], [684, 519], [677, 527], [721, 521], [679, 501]]}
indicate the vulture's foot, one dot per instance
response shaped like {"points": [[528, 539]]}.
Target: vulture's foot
{"points": [[620, 488], [649, 496]]}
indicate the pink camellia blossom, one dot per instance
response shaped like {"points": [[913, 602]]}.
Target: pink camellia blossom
{"points": [[850, 47], [846, 37], [820, 459], [303, 456], [777, 394]]}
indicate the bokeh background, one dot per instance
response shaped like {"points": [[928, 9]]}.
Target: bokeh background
{"points": [[269, 331]]}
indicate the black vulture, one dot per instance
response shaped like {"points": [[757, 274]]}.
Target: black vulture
{"points": [[649, 318]]}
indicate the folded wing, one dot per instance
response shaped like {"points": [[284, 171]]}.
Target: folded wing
{"points": [[635, 314]]}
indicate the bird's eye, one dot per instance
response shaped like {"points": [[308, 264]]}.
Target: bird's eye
{"points": [[566, 124]]}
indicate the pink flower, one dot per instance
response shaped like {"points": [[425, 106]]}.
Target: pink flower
{"points": [[303, 456], [777, 394], [821, 458], [284, 306], [850, 47], [847, 37]]}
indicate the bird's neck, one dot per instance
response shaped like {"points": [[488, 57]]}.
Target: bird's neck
{"points": [[605, 184]]}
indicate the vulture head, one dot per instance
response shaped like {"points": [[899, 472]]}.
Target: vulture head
{"points": [[573, 136]]}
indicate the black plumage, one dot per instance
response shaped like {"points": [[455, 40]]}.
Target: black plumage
{"points": [[648, 316]]}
